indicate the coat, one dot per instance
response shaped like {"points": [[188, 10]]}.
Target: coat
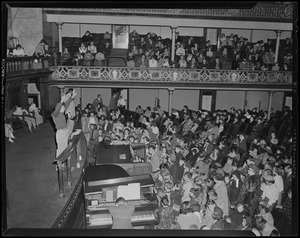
{"points": [[177, 172]]}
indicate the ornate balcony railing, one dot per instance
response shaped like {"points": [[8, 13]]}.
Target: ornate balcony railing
{"points": [[179, 76], [27, 64]]}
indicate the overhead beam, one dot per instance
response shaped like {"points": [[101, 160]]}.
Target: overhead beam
{"points": [[162, 21]]}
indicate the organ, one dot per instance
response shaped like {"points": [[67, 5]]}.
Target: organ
{"points": [[101, 183]]}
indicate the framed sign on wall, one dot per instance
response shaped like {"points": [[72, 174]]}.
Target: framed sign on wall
{"points": [[120, 36]]}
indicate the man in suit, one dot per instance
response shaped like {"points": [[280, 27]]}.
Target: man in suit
{"points": [[242, 147], [107, 126], [287, 180], [121, 214]]}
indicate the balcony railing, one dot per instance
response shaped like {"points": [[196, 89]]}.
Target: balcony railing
{"points": [[27, 64], [168, 75]]}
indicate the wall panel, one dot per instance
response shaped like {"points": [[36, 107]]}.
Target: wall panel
{"points": [[228, 99]]}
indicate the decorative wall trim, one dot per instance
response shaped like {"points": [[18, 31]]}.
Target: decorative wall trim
{"points": [[184, 77]]}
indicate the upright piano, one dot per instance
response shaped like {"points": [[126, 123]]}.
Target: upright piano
{"points": [[101, 184]]}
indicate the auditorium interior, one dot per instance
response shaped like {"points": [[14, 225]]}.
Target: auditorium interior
{"points": [[45, 195]]}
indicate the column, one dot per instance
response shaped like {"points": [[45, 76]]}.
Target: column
{"points": [[270, 103], [278, 34], [60, 36], [173, 43], [218, 39], [245, 99], [171, 91], [62, 90]]}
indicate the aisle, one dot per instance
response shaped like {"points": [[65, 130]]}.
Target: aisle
{"points": [[31, 179]]}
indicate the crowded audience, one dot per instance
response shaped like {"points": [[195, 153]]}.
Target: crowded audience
{"points": [[150, 50], [219, 170]]}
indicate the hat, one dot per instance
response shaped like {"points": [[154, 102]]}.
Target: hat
{"points": [[218, 174], [263, 202], [248, 220], [269, 178], [218, 212], [283, 148], [263, 142], [255, 168], [196, 149], [237, 173], [269, 150]]}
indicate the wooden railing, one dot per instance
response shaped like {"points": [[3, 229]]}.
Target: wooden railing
{"points": [[76, 150], [28, 64], [218, 77]]}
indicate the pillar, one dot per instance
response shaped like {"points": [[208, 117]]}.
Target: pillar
{"points": [[62, 90], [171, 91], [271, 93], [173, 43], [278, 34], [245, 99], [60, 37], [219, 30]]}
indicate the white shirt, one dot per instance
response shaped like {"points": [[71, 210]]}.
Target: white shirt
{"points": [[271, 192], [279, 182], [152, 63], [18, 52]]}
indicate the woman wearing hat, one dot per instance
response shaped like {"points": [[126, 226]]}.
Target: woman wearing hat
{"points": [[234, 187], [250, 193], [217, 215], [265, 213], [262, 226]]}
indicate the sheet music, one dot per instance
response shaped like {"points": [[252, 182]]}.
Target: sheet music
{"points": [[109, 196], [132, 191]]}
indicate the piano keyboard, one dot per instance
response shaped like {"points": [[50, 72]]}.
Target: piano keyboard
{"points": [[106, 219], [142, 216]]}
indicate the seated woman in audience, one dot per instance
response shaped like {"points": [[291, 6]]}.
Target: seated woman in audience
{"points": [[209, 53], [142, 61], [66, 57], [135, 51], [92, 48], [265, 213], [181, 63], [99, 59], [130, 61], [36, 112], [19, 51], [153, 61], [204, 64], [262, 226], [88, 58], [82, 49], [19, 111]]}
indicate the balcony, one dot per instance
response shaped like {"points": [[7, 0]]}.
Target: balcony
{"points": [[28, 66], [170, 77]]}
